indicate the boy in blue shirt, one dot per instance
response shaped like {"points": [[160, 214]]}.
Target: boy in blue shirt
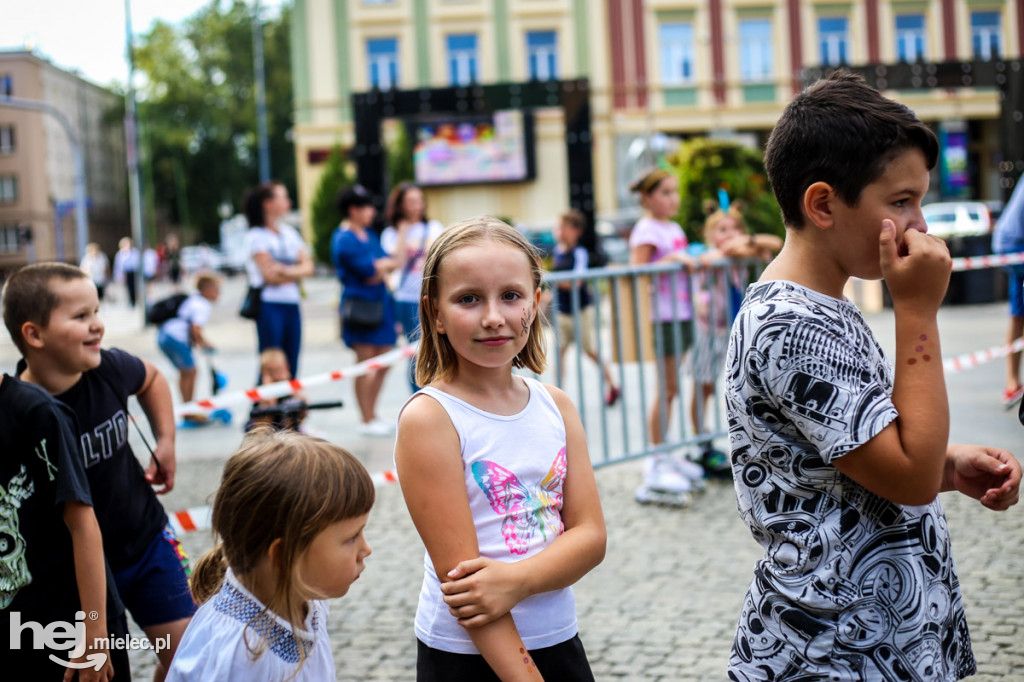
{"points": [[838, 455]]}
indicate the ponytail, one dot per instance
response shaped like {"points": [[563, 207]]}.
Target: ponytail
{"points": [[208, 574]]}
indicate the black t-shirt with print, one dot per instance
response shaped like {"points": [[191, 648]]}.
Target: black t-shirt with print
{"points": [[39, 472], [127, 509]]}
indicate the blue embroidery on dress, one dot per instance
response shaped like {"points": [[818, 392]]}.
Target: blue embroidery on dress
{"points": [[234, 603]]}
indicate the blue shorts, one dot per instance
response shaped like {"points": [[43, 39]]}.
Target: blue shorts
{"points": [[1016, 290], [155, 588], [178, 352]]}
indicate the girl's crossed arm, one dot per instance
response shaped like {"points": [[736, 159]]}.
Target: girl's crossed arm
{"points": [[430, 471], [484, 589]]}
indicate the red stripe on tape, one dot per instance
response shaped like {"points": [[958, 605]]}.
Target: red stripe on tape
{"points": [[295, 384], [254, 395], [185, 519]]}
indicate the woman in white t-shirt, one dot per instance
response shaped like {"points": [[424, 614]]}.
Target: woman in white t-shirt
{"points": [[278, 261], [96, 264], [407, 241]]}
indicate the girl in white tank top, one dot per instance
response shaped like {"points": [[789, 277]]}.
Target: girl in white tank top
{"points": [[495, 471]]}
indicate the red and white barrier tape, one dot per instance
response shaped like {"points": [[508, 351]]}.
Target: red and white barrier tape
{"points": [[990, 261], [392, 357], [282, 388], [201, 518], [980, 357]]}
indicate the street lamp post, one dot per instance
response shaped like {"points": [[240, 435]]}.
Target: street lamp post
{"points": [[132, 144]]}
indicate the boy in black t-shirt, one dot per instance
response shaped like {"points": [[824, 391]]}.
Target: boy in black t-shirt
{"points": [[51, 551], [50, 310]]}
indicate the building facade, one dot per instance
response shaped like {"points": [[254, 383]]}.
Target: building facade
{"points": [[37, 173], [659, 70]]}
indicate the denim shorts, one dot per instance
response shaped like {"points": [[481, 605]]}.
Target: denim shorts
{"points": [[155, 588], [178, 352]]}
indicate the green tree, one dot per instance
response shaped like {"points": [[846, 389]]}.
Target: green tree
{"points": [[399, 157], [324, 213], [704, 166], [197, 111]]}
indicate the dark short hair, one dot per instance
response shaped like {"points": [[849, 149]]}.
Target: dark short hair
{"points": [[28, 296], [393, 212], [356, 195], [252, 205], [843, 132]]}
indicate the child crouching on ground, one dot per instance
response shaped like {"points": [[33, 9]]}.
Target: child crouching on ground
{"points": [[290, 514]]}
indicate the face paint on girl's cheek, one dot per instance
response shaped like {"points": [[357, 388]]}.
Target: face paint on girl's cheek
{"points": [[526, 322]]}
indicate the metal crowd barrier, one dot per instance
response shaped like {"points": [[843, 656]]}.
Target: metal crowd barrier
{"points": [[623, 297]]}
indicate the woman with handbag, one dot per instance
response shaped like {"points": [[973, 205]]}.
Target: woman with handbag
{"points": [[407, 240], [278, 261], [367, 311]]}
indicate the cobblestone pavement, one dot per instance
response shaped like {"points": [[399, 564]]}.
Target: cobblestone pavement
{"points": [[663, 604]]}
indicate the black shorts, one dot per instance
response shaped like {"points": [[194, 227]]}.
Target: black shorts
{"points": [[566, 662]]}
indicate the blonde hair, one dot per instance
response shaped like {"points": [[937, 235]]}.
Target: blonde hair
{"points": [[279, 485], [436, 359], [206, 280], [716, 215], [269, 355]]}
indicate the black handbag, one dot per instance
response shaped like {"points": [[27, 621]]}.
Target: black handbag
{"points": [[252, 303], [358, 313]]}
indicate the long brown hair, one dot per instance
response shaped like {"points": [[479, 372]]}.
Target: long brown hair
{"points": [[279, 485], [436, 359]]}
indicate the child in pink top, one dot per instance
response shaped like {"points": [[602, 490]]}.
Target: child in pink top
{"points": [[657, 239]]}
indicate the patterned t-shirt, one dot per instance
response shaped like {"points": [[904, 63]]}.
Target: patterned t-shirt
{"points": [[852, 586]]}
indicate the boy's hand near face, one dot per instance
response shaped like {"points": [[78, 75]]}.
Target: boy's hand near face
{"points": [[916, 270]]}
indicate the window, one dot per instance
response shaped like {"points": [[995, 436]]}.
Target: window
{"points": [[8, 189], [6, 85], [462, 59], [7, 139], [833, 38], [676, 44], [382, 57], [10, 241], [986, 35], [755, 50], [542, 55], [910, 44]]}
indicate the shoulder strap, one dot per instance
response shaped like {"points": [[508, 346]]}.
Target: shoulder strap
{"points": [[129, 417]]}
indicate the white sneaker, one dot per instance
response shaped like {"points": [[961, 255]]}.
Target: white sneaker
{"points": [[660, 474], [687, 467], [377, 427]]}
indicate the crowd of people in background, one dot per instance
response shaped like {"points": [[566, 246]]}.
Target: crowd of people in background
{"points": [[494, 466]]}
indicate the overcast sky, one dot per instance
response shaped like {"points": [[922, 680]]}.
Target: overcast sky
{"points": [[89, 36]]}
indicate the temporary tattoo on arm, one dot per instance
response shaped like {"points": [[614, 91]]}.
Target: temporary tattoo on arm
{"points": [[527, 660], [920, 349]]}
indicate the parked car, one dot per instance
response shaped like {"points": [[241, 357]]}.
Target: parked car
{"points": [[947, 219], [201, 257]]}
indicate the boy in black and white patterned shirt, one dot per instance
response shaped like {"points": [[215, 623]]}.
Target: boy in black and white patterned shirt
{"points": [[838, 455]]}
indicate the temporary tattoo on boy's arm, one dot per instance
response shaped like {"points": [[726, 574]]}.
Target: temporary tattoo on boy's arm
{"points": [[919, 348]]}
